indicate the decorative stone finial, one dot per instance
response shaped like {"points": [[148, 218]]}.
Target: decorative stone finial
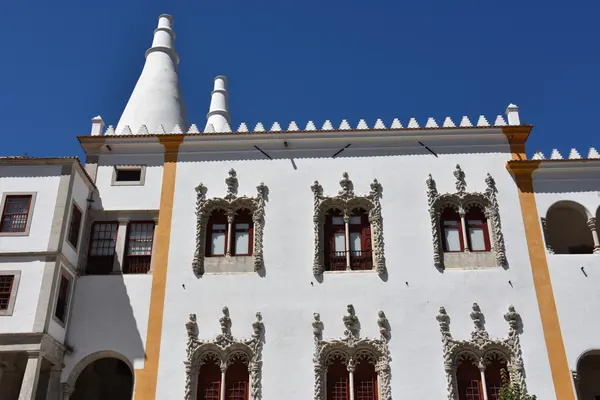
{"points": [[232, 185], [432, 192], [444, 320], [383, 324], [376, 188], [257, 326], [317, 189], [347, 186], [97, 126], [461, 184], [512, 317], [317, 326], [192, 327], [351, 323], [477, 317], [225, 322]]}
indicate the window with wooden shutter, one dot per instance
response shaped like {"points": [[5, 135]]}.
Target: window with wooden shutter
{"points": [[335, 241], [237, 381], [209, 382], [452, 237], [477, 230], [365, 381], [469, 381], [360, 241], [243, 235], [102, 248], [338, 387], [15, 214]]}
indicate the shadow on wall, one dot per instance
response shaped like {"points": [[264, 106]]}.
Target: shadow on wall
{"points": [[107, 311]]}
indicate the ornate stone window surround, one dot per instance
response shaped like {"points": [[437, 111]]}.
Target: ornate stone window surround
{"points": [[463, 201], [230, 204], [481, 350], [346, 201], [351, 349], [223, 351]]}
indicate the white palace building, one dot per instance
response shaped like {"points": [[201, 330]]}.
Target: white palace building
{"points": [[397, 259]]}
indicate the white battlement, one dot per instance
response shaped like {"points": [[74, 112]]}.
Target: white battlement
{"points": [[573, 155]]}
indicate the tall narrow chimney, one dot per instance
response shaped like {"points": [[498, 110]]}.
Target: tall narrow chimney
{"points": [[218, 113], [156, 100]]}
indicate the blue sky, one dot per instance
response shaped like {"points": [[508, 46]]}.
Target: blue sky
{"points": [[65, 62]]}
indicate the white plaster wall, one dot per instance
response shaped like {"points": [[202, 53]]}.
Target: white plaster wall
{"points": [[577, 295], [109, 313], [288, 294], [27, 295], [79, 195], [144, 197], [44, 180]]}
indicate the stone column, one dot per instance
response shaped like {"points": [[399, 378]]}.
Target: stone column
{"points": [[351, 367], [229, 234], [347, 238], [223, 387], [463, 225], [591, 223], [31, 376], [576, 383], [481, 367], [54, 387], [67, 391], [155, 219], [120, 246]]}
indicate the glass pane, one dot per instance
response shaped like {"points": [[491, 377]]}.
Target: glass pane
{"points": [[218, 227], [452, 237], [242, 226], [356, 220], [474, 222], [241, 242], [337, 221], [355, 241], [477, 239], [218, 243], [339, 241]]}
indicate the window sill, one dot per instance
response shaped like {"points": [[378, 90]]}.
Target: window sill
{"points": [[132, 183], [26, 233], [470, 260], [351, 271]]}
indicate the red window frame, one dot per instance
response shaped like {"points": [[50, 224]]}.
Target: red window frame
{"points": [[209, 382], [6, 286], [217, 217], [62, 300], [493, 379], [102, 264], [8, 218], [469, 383], [75, 226], [334, 260], [451, 215], [237, 381], [338, 382], [365, 381], [476, 214], [243, 217], [138, 263], [361, 260]]}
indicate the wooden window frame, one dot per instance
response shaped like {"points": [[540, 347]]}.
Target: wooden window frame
{"points": [[63, 276], [475, 213], [332, 259], [91, 241], [458, 219], [74, 230], [245, 218], [202, 381], [364, 261], [29, 217], [339, 371], [127, 258], [12, 293], [209, 232], [232, 376]]}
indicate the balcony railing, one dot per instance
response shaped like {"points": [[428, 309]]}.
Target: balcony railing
{"points": [[360, 260], [137, 264]]}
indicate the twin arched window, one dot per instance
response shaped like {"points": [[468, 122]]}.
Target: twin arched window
{"points": [[230, 238], [465, 233], [470, 380], [340, 381], [236, 385], [348, 242]]}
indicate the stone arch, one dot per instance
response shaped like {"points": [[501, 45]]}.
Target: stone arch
{"points": [[587, 374], [567, 230], [89, 360]]}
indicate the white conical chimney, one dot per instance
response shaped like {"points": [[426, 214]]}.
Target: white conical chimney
{"points": [[218, 113], [156, 99]]}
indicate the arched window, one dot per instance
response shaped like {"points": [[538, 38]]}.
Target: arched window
{"points": [[335, 241], [360, 241], [209, 381], [365, 381], [468, 379], [493, 380], [217, 234], [237, 381], [567, 230], [243, 233], [451, 226], [477, 230], [338, 387]]}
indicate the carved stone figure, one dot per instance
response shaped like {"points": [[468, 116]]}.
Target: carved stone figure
{"points": [[230, 204], [346, 201], [351, 323]]}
